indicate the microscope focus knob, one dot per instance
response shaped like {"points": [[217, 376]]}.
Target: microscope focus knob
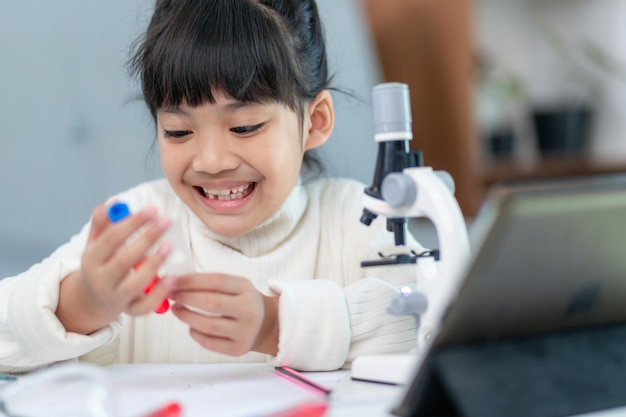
{"points": [[398, 190]]}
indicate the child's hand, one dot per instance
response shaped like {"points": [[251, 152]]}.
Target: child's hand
{"points": [[241, 319], [107, 285]]}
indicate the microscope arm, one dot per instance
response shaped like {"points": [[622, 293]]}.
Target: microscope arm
{"points": [[421, 192]]}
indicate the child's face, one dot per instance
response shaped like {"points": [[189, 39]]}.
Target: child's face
{"points": [[233, 164]]}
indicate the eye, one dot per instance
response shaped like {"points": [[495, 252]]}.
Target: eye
{"points": [[246, 130], [176, 135]]}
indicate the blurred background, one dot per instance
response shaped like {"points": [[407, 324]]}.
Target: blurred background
{"points": [[500, 89]]}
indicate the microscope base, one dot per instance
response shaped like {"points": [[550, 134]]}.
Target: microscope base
{"points": [[395, 369]]}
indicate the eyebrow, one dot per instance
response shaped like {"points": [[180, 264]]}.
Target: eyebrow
{"points": [[230, 106]]}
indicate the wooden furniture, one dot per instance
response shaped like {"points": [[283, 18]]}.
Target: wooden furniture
{"points": [[427, 44]]}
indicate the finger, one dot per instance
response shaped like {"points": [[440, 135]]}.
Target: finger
{"points": [[220, 345], [129, 255], [114, 236], [221, 283], [146, 303], [215, 326], [144, 273], [99, 222], [155, 298], [91, 260], [211, 302]]}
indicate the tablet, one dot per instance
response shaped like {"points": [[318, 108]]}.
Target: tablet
{"points": [[547, 255], [548, 258]]}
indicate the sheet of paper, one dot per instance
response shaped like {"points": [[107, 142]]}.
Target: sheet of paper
{"points": [[240, 390]]}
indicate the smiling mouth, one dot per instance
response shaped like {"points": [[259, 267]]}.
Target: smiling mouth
{"points": [[228, 194]]}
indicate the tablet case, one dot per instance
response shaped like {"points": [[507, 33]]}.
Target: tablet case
{"points": [[548, 375]]}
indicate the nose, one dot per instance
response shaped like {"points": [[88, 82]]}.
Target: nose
{"points": [[215, 154]]}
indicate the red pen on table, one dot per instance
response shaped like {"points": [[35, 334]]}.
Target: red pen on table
{"points": [[168, 410], [304, 410], [116, 213]]}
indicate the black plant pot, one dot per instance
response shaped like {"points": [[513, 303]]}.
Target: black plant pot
{"points": [[562, 131], [500, 144]]}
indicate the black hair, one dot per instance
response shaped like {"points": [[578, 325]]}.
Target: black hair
{"points": [[253, 50]]}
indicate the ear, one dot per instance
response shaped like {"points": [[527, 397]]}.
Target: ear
{"points": [[320, 120]]}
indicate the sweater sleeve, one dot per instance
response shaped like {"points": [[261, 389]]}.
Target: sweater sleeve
{"points": [[328, 321], [314, 322], [324, 327], [31, 336]]}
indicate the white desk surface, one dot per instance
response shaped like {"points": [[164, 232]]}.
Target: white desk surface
{"points": [[251, 390], [246, 390], [241, 390]]}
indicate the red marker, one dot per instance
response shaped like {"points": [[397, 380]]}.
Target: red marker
{"points": [[168, 410], [117, 212], [304, 410]]}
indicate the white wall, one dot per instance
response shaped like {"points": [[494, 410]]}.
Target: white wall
{"points": [[512, 32], [72, 134]]}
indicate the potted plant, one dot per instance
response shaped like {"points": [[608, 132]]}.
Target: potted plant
{"points": [[563, 127], [499, 96]]}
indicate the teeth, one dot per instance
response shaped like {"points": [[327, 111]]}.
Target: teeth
{"points": [[227, 194]]}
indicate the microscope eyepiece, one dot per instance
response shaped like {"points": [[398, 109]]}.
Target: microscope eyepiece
{"points": [[393, 130], [391, 108]]}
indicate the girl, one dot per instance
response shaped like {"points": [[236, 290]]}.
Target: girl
{"points": [[239, 93]]}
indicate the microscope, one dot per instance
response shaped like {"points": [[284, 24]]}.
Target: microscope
{"points": [[402, 188]]}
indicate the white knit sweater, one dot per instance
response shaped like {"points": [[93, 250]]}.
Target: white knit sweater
{"points": [[331, 309]]}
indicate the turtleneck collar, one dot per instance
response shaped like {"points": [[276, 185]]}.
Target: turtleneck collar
{"points": [[265, 237]]}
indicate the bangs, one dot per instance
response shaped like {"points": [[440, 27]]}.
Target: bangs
{"points": [[210, 51]]}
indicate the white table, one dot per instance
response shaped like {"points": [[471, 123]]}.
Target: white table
{"points": [[241, 390], [236, 390]]}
